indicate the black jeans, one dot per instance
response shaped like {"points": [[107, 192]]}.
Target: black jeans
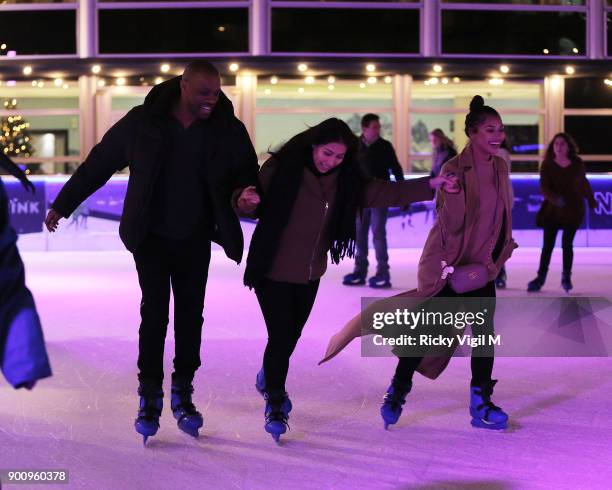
{"points": [[183, 265], [567, 243], [482, 367], [285, 307]]}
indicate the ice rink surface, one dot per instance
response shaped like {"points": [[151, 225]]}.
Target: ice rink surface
{"points": [[81, 419]]}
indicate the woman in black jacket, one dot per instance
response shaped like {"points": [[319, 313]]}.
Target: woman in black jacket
{"points": [[311, 191]]}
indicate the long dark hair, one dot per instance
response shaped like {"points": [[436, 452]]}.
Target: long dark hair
{"points": [[350, 179], [572, 154], [445, 141], [478, 113]]}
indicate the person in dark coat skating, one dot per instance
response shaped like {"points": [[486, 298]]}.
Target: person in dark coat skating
{"points": [[192, 170]]}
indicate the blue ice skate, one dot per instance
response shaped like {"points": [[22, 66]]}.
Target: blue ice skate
{"points": [[394, 399], [485, 414], [149, 411], [276, 416], [188, 419], [260, 386]]}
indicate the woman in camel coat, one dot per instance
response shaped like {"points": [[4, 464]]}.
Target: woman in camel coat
{"points": [[473, 226]]}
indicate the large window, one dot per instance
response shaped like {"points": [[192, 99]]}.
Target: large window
{"points": [[48, 121], [592, 133], [513, 32], [26, 2], [183, 30], [345, 30], [523, 2], [352, 1], [588, 118], [514, 28], [587, 93], [36, 32], [149, 1], [288, 107], [445, 105]]}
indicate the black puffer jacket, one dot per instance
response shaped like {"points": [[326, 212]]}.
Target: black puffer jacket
{"points": [[137, 141]]}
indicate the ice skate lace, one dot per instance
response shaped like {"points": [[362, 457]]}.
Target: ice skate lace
{"points": [[150, 410], [185, 404], [277, 415], [489, 407], [188, 407], [395, 399], [275, 412], [487, 403]]}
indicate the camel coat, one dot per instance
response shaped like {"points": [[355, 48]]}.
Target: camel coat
{"points": [[457, 219]]}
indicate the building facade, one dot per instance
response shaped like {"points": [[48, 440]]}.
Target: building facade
{"points": [[70, 69]]}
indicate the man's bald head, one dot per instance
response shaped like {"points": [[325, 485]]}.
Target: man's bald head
{"points": [[200, 68]]}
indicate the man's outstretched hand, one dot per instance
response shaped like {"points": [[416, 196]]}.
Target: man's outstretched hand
{"points": [[248, 200], [52, 220]]}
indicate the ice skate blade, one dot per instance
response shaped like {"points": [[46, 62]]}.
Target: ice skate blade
{"points": [[275, 436], [386, 285], [193, 429], [481, 424], [388, 423], [192, 432], [354, 283]]}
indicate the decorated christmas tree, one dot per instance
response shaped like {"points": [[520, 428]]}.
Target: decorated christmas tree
{"points": [[15, 139]]}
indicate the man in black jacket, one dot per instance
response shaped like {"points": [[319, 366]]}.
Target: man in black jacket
{"points": [[192, 169], [378, 158]]}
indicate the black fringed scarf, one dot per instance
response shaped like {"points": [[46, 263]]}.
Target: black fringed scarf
{"points": [[277, 205]]}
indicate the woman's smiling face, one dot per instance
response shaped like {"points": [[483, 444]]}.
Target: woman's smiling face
{"points": [[328, 156]]}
